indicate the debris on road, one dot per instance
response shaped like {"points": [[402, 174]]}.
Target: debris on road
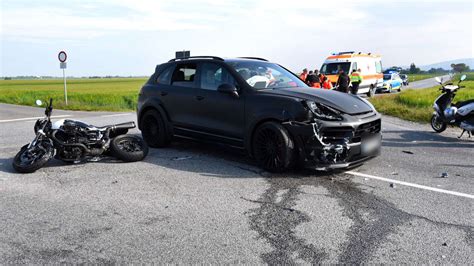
{"points": [[181, 158], [114, 182], [444, 175], [445, 244], [408, 152], [392, 185], [394, 173]]}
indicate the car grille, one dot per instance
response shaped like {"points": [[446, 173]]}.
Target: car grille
{"points": [[367, 130], [363, 131], [336, 134]]}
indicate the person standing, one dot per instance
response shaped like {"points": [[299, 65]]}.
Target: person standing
{"points": [[343, 82], [356, 80], [304, 75]]}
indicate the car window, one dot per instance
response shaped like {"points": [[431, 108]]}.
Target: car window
{"points": [[165, 76], [378, 66], [213, 75], [354, 66], [333, 68], [183, 75], [264, 75]]}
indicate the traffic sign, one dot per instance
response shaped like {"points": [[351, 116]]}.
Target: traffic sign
{"points": [[62, 56]]}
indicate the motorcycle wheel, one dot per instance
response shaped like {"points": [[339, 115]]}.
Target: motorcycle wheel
{"points": [[28, 161], [129, 148], [437, 125]]}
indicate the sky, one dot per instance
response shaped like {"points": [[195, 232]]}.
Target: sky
{"points": [[130, 37]]}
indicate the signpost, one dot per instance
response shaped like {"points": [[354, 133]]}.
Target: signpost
{"points": [[62, 56]]}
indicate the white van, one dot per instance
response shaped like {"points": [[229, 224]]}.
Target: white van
{"points": [[370, 66]]}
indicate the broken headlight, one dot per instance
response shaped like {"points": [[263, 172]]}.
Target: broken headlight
{"points": [[323, 112]]}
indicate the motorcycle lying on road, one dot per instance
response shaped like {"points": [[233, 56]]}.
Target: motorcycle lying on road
{"points": [[75, 141], [446, 112]]}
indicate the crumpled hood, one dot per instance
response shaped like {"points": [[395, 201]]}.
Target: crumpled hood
{"points": [[344, 102]]}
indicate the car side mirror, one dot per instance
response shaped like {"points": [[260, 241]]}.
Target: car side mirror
{"points": [[39, 102], [438, 80], [228, 89], [463, 77]]}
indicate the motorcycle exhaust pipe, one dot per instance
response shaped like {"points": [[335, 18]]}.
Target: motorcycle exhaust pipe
{"points": [[126, 125]]}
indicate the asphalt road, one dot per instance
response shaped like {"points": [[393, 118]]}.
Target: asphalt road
{"points": [[426, 83], [192, 203]]}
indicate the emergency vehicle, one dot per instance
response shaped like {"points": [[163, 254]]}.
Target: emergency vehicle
{"points": [[370, 66]]}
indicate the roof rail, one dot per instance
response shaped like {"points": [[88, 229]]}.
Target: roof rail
{"points": [[197, 57], [256, 58]]}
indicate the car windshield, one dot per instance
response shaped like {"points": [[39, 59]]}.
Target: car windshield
{"points": [[264, 75], [333, 68], [387, 77]]}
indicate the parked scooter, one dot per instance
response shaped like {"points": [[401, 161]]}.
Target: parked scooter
{"points": [[459, 114], [75, 141]]}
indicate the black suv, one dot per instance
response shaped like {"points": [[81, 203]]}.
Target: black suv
{"points": [[258, 106]]}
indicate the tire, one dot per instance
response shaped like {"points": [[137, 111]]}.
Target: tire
{"points": [[22, 164], [128, 148], [436, 125], [371, 91], [400, 88], [390, 89], [273, 148], [154, 129]]}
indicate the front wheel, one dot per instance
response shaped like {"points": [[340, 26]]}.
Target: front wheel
{"points": [[30, 160], [273, 147], [129, 148], [437, 125]]}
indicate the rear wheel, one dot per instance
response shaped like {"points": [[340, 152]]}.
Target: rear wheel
{"points": [[400, 88], [437, 125], [30, 160], [153, 129], [273, 147], [129, 148]]}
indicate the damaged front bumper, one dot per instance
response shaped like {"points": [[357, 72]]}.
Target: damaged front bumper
{"points": [[325, 145]]}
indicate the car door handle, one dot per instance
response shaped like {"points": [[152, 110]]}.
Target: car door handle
{"points": [[164, 93], [199, 98]]}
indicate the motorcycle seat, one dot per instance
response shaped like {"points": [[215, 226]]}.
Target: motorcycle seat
{"points": [[461, 104]]}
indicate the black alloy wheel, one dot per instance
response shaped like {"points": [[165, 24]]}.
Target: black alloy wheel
{"points": [[273, 147]]}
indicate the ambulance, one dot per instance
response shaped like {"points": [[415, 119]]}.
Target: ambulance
{"points": [[370, 66]]}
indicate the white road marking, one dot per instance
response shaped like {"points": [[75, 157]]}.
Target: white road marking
{"points": [[469, 196], [31, 118], [116, 115]]}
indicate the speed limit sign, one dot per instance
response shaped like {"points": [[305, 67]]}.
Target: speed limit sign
{"points": [[62, 56]]}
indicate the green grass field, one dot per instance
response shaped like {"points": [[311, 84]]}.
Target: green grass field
{"points": [[117, 94], [416, 105], [416, 77]]}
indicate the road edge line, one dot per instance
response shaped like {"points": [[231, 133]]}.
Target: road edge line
{"points": [[454, 193]]}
